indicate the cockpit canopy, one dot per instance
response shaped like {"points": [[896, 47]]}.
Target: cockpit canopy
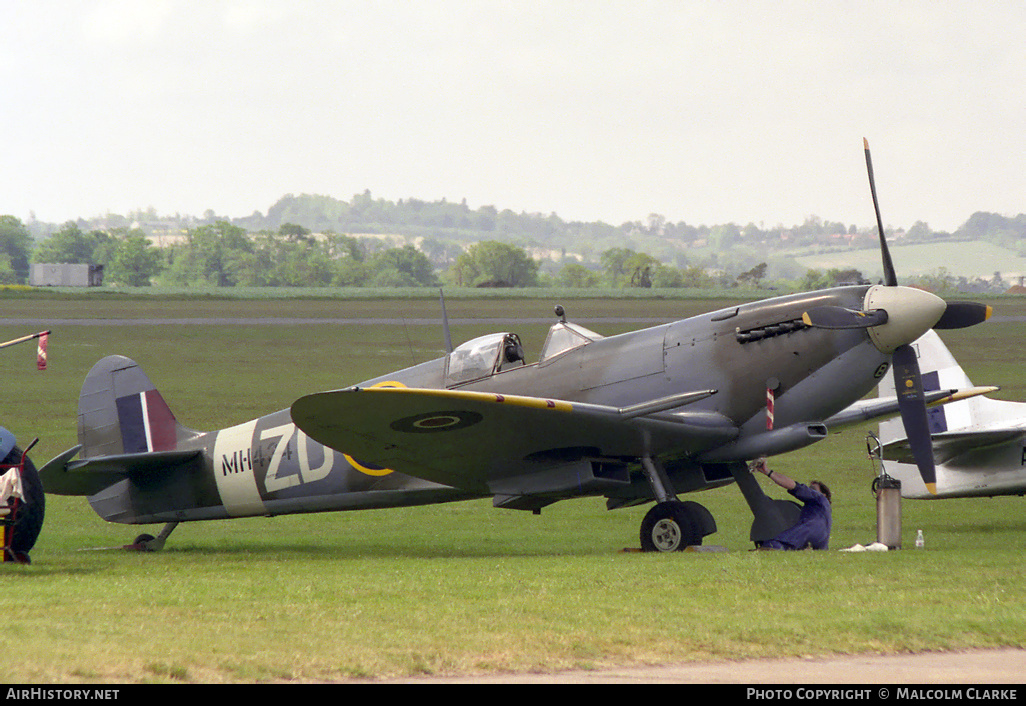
{"points": [[483, 356], [486, 355], [564, 337]]}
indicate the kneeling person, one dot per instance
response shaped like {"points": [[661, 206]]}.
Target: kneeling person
{"points": [[815, 520]]}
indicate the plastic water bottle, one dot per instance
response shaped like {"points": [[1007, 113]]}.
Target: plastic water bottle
{"points": [[919, 539]]}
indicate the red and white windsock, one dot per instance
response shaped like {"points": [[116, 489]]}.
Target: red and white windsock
{"points": [[41, 350]]}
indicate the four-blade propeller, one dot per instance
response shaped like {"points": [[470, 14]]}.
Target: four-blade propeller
{"points": [[907, 379]]}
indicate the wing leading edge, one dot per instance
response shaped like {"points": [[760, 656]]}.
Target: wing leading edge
{"points": [[479, 441], [874, 408]]}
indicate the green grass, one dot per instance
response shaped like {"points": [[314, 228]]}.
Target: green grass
{"points": [[463, 588]]}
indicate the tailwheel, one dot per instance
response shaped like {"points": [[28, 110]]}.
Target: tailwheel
{"points": [[142, 543], [149, 543], [673, 526]]}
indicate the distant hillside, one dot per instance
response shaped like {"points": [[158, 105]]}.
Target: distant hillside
{"points": [[444, 228], [969, 259]]}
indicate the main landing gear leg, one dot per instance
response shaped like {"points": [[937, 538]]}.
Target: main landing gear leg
{"points": [[149, 543], [672, 525], [771, 516]]}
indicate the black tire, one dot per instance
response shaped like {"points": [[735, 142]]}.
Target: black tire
{"points": [[142, 543], [670, 527], [29, 521]]}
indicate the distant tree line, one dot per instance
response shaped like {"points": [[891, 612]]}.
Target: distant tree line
{"points": [[225, 255], [319, 241], [15, 248], [457, 221]]}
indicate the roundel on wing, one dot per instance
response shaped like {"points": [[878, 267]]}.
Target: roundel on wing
{"points": [[434, 422], [369, 468]]}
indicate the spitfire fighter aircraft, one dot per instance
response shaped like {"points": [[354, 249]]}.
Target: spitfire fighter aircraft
{"points": [[978, 444], [641, 416]]}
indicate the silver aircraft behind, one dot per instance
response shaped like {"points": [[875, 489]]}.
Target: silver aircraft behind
{"points": [[979, 444], [637, 417]]}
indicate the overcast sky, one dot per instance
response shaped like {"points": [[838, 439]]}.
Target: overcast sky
{"points": [[703, 112]]}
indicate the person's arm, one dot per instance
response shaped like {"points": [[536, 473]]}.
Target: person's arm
{"points": [[775, 476]]}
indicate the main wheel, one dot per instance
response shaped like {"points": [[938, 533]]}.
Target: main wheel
{"points": [[670, 527]]}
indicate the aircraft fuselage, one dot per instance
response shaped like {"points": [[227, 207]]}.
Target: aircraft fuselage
{"points": [[268, 466]]}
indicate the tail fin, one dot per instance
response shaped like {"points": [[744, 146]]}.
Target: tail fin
{"points": [[121, 412], [941, 371], [957, 429]]}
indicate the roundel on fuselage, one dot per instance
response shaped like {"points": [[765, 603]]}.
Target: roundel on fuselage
{"points": [[371, 469]]}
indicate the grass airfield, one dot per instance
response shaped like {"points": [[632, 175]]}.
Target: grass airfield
{"points": [[461, 588]]}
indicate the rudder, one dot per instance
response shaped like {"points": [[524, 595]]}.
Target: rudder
{"points": [[121, 412]]}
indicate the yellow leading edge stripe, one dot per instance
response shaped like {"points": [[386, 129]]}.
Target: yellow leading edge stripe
{"points": [[494, 397]]}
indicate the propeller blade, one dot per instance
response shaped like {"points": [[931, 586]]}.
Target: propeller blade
{"points": [[963, 314], [837, 317], [909, 386], [890, 279]]}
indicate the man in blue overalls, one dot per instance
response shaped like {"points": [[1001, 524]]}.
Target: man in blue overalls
{"points": [[813, 526]]}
